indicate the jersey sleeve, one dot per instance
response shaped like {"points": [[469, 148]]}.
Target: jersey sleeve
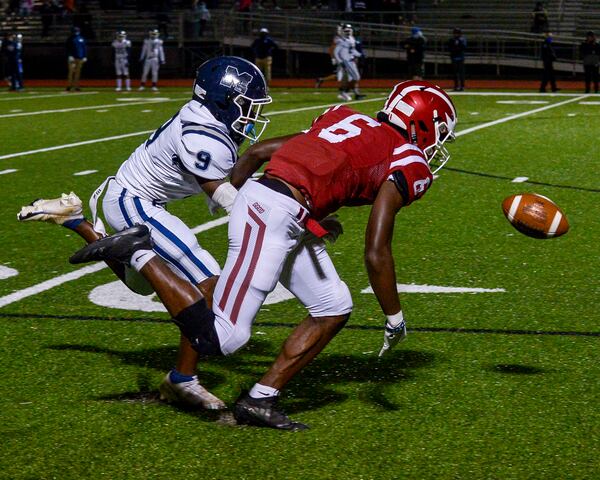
{"points": [[410, 173], [207, 152]]}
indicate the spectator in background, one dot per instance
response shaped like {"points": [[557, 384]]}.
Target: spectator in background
{"points": [[415, 53], [548, 58], [25, 8], [263, 48], [539, 18], [14, 64], [47, 14], [76, 57], [200, 17], [589, 51], [457, 46]]}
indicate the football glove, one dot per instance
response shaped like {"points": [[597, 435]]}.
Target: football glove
{"points": [[334, 230], [392, 336], [334, 62]]}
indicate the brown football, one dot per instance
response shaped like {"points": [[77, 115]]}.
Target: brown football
{"points": [[535, 215]]}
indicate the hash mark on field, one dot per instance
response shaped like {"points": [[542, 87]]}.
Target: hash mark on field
{"points": [[102, 111], [10, 170], [589, 103], [146, 111], [7, 272], [412, 288], [520, 179], [15, 110], [84, 172]]}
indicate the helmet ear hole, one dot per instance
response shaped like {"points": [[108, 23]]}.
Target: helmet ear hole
{"points": [[423, 126]]}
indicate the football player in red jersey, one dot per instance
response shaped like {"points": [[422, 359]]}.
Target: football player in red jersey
{"points": [[345, 159]]}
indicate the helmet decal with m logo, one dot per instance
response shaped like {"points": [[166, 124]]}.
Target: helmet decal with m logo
{"points": [[236, 80]]}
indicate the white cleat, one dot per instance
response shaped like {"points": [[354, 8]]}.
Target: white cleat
{"points": [[155, 89], [141, 88], [56, 210], [118, 89], [191, 394], [344, 96]]}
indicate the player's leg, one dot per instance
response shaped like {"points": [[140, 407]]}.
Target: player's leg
{"points": [[155, 74], [176, 244], [183, 301], [126, 75], [311, 276], [118, 74], [145, 72]]}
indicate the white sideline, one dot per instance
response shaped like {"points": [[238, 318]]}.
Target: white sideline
{"points": [[150, 101], [65, 95], [54, 282], [146, 132]]}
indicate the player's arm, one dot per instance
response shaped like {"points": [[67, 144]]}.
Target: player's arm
{"points": [[380, 261], [254, 157], [221, 193]]}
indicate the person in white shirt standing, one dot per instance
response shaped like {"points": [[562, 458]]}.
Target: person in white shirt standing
{"points": [[345, 54], [192, 152], [121, 48], [152, 55]]}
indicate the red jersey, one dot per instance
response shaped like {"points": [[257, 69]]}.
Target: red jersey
{"points": [[345, 157]]}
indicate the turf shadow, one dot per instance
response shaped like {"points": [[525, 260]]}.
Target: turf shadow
{"points": [[315, 386], [516, 369]]}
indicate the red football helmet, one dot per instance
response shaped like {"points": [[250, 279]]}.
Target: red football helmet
{"points": [[427, 114]]}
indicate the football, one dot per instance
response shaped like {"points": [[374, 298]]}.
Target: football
{"points": [[535, 215]]}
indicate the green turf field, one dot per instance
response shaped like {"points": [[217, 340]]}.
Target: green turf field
{"points": [[491, 385]]}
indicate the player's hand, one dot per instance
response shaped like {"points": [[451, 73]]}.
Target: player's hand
{"points": [[84, 59], [334, 62], [70, 59], [392, 336], [333, 226]]}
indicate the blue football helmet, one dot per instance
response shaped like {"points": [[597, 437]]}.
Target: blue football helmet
{"points": [[234, 90]]}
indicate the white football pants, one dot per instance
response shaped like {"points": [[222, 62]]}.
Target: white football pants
{"points": [[266, 229], [150, 64], [173, 240]]}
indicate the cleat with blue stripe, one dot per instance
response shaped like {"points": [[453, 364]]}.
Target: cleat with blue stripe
{"points": [[119, 246], [189, 394]]}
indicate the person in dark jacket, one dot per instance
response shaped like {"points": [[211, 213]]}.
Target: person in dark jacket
{"points": [[457, 46], [415, 54], [14, 61], [76, 57], [548, 58], [589, 51], [263, 48]]}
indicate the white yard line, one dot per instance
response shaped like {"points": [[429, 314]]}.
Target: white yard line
{"points": [[76, 144], [33, 97], [54, 282], [146, 132], [517, 115], [150, 101]]}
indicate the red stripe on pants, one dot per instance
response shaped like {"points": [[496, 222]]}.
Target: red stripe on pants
{"points": [[251, 268], [236, 267]]}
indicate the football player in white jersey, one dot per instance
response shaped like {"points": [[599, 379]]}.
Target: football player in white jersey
{"points": [[121, 48], [345, 54], [192, 152], [152, 55]]}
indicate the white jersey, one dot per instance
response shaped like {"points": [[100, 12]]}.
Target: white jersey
{"points": [[153, 49], [345, 49], [121, 48], [191, 144]]}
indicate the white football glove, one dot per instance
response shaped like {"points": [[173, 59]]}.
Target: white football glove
{"points": [[392, 336], [333, 61]]}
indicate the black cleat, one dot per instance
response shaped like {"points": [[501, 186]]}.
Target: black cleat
{"points": [[263, 412], [120, 246], [359, 96]]}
